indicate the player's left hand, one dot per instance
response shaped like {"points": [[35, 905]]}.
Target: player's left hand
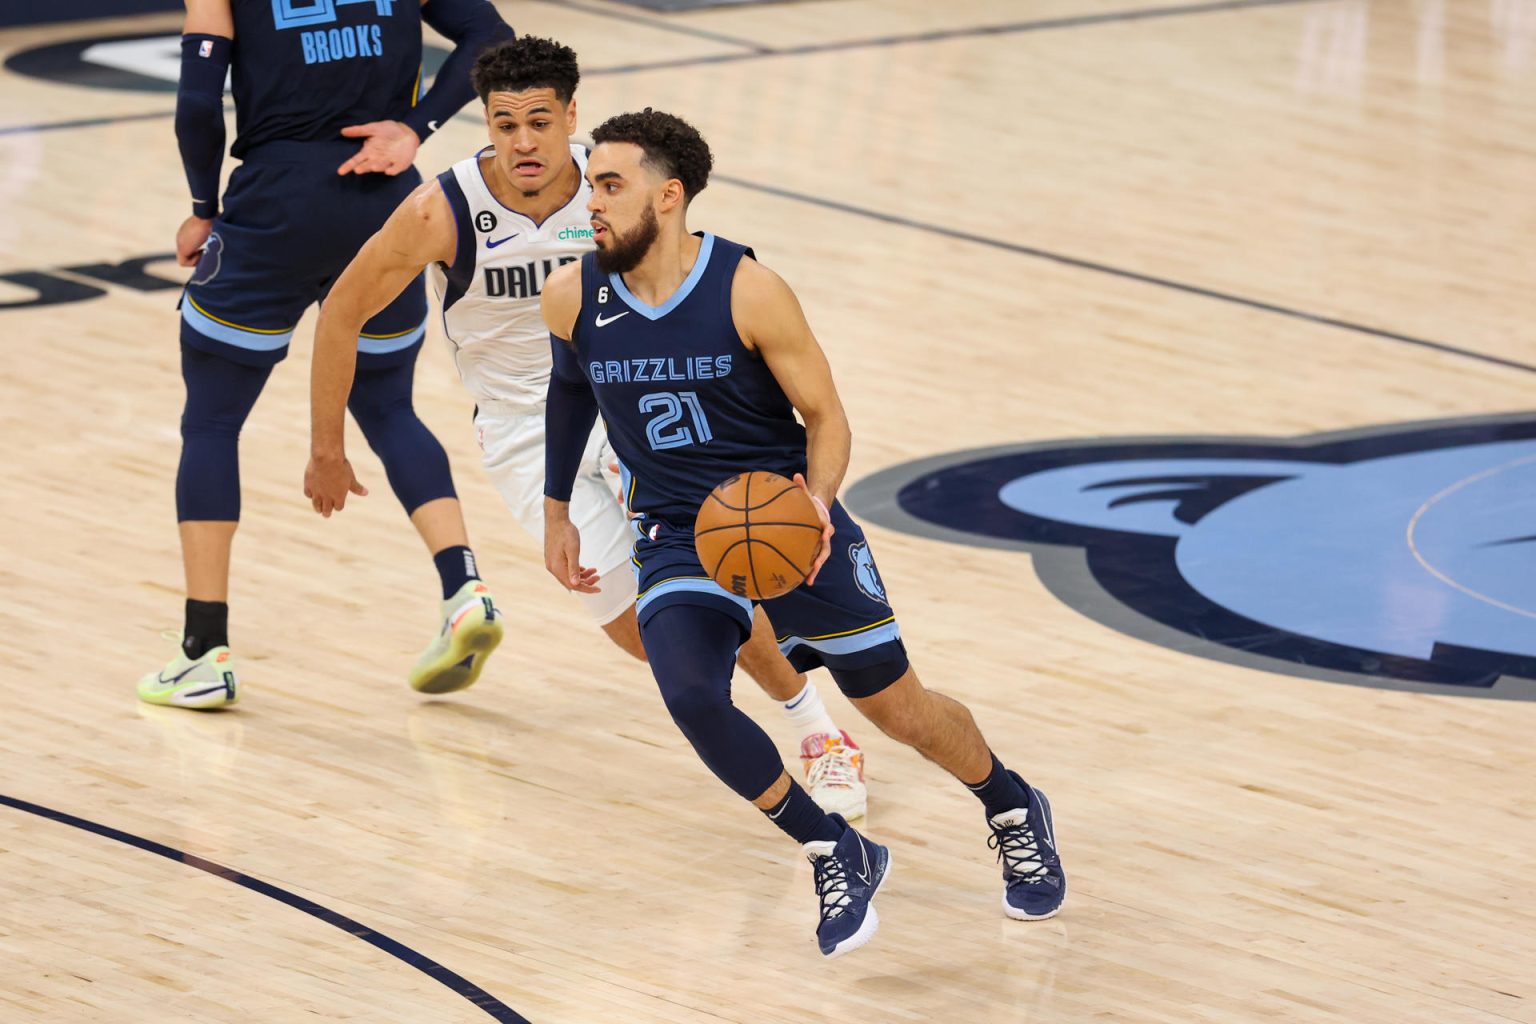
{"points": [[826, 530], [389, 147], [562, 557], [327, 482]]}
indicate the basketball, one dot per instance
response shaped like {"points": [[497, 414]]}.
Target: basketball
{"points": [[757, 535]]}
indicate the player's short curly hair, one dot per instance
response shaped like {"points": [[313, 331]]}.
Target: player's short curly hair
{"points": [[527, 62], [673, 147]]}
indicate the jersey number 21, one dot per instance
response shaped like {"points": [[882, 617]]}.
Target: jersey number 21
{"points": [[666, 429]]}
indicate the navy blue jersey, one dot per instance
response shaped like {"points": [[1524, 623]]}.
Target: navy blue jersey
{"points": [[304, 69], [686, 404]]}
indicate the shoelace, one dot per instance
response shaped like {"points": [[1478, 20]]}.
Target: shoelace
{"points": [[833, 768], [1019, 851], [831, 886]]}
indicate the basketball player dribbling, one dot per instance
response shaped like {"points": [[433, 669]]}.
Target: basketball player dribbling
{"points": [[328, 115], [740, 362], [493, 228]]}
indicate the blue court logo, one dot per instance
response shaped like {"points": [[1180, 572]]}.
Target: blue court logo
{"points": [[1402, 557], [865, 576]]}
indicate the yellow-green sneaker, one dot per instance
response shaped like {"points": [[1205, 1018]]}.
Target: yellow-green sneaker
{"points": [[471, 630], [202, 683]]}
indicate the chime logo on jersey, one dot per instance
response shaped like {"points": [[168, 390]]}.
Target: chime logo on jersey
{"points": [[1401, 557]]}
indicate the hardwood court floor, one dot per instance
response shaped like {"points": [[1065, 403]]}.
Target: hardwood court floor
{"points": [[1009, 223]]}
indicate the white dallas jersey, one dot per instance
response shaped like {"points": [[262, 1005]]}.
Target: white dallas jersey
{"points": [[490, 296]]}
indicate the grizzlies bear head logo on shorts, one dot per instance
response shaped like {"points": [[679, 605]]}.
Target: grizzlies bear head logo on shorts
{"points": [[865, 575], [1401, 557], [211, 261]]}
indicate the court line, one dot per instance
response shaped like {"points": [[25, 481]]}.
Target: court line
{"points": [[1121, 272], [426, 965], [945, 34], [85, 122], [658, 23], [1443, 577], [759, 52]]}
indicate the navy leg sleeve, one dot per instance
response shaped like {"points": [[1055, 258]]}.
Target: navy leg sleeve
{"points": [[692, 651], [220, 395], [413, 459]]}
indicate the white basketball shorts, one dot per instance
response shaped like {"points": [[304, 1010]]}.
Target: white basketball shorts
{"points": [[512, 447]]}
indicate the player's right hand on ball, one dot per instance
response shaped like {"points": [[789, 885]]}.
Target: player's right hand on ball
{"points": [[826, 530], [190, 239], [327, 482], [562, 557]]}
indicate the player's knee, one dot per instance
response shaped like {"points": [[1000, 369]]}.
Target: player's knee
{"points": [[414, 460], [696, 709], [210, 428], [388, 429], [211, 413]]}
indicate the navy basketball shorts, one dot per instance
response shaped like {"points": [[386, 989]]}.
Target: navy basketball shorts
{"points": [[289, 227], [843, 622]]}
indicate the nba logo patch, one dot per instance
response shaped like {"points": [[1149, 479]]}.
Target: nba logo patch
{"points": [[205, 48]]}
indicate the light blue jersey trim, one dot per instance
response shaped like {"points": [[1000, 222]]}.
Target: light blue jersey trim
{"points": [[845, 644], [382, 346], [626, 481], [683, 291], [693, 585], [231, 335]]}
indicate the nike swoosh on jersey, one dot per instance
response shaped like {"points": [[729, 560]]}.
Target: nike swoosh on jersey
{"points": [[604, 323], [491, 243]]}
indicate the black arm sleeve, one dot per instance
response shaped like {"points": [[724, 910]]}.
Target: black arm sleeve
{"points": [[472, 25], [569, 414], [200, 117]]}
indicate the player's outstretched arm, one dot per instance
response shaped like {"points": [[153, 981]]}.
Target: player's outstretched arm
{"points": [[420, 231], [569, 414], [769, 319], [206, 45]]}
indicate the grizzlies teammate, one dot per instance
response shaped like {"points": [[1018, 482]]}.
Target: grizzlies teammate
{"points": [[493, 228], [738, 362], [328, 116]]}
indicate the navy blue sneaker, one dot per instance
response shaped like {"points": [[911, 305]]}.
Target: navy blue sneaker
{"points": [[1034, 883], [848, 874]]}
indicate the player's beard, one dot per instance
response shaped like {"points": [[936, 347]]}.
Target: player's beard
{"points": [[623, 253]]}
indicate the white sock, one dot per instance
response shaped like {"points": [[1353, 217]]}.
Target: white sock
{"points": [[808, 714]]}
